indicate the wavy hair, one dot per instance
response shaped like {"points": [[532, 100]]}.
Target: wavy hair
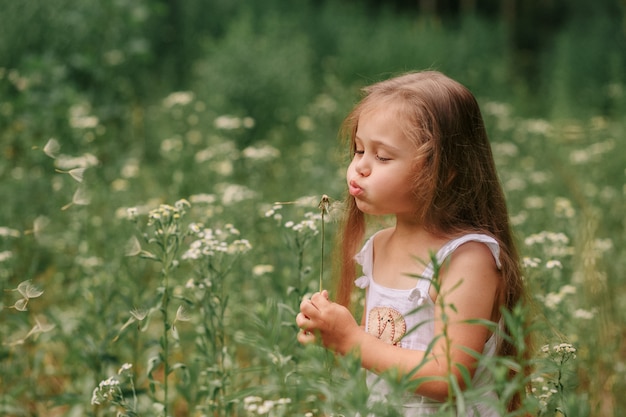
{"points": [[456, 187]]}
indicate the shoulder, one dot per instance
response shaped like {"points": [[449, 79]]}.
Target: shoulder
{"points": [[474, 252], [473, 260]]}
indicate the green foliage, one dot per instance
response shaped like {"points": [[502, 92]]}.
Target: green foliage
{"points": [[111, 110]]}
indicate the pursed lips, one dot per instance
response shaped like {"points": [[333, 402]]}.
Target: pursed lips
{"points": [[354, 188]]}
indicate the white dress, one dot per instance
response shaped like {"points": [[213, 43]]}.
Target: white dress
{"points": [[391, 313]]}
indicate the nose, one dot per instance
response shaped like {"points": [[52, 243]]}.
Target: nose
{"points": [[362, 167]]}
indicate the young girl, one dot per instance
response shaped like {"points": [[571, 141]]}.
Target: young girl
{"points": [[421, 154]]}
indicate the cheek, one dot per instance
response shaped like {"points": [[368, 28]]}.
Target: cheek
{"points": [[350, 171]]}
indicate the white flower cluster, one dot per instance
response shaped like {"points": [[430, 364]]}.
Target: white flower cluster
{"points": [[308, 224], [274, 212], [226, 122], [107, 390], [553, 299], [166, 213], [110, 390], [178, 98], [261, 153], [210, 242], [563, 350], [256, 405], [545, 393], [552, 243], [546, 237]]}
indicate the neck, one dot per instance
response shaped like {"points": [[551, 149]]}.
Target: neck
{"points": [[409, 230]]}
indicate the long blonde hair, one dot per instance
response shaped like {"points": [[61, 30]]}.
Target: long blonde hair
{"points": [[457, 186]]}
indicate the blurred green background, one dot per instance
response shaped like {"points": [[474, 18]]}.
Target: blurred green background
{"points": [[236, 104]]}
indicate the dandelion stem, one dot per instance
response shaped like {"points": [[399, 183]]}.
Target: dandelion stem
{"points": [[323, 206]]}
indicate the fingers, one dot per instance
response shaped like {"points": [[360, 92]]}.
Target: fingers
{"points": [[302, 321], [309, 311], [305, 337]]}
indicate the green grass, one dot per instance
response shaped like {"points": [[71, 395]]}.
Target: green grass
{"points": [[249, 120]]}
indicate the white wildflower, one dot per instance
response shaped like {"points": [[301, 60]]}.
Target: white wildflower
{"points": [[8, 232], [583, 314], [261, 153], [178, 98], [551, 264], [259, 270]]}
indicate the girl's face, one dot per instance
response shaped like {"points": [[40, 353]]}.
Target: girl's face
{"points": [[380, 174]]}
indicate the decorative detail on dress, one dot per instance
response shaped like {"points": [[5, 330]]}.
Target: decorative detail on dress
{"points": [[418, 296], [387, 324]]}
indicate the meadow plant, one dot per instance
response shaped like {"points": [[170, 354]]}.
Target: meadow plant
{"points": [[114, 390]]}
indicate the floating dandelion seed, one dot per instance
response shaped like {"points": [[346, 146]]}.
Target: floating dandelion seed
{"points": [[28, 290], [133, 247], [76, 173], [80, 198], [52, 148]]}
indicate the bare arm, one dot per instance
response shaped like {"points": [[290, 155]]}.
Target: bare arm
{"points": [[469, 283]]}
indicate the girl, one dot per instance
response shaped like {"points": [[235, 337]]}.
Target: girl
{"points": [[421, 154]]}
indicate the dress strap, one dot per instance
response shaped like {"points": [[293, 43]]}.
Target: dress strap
{"points": [[446, 250]]}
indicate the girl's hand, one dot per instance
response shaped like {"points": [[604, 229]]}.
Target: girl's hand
{"points": [[332, 322]]}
